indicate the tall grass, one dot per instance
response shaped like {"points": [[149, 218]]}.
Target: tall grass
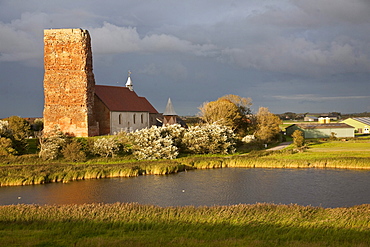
{"points": [[38, 174], [143, 225]]}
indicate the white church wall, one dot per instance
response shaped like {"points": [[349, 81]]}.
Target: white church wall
{"points": [[128, 121]]}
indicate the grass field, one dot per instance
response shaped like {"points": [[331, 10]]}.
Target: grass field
{"points": [[141, 225]]}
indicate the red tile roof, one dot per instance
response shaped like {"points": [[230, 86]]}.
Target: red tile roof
{"points": [[122, 99]]}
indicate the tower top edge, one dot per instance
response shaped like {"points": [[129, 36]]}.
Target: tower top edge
{"points": [[65, 30]]}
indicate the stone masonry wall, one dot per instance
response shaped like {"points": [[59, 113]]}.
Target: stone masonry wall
{"points": [[69, 82]]}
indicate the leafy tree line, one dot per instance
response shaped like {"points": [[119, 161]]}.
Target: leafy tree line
{"points": [[234, 111]]}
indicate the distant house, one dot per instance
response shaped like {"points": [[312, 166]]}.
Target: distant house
{"points": [[316, 130], [310, 118], [361, 124], [332, 115]]}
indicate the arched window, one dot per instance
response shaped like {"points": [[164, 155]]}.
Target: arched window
{"points": [[120, 119], [142, 118], [134, 118]]}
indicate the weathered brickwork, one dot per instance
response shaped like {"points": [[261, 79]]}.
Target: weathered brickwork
{"points": [[102, 114], [69, 82]]}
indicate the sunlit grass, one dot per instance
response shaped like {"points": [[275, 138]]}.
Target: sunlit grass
{"points": [[144, 225]]}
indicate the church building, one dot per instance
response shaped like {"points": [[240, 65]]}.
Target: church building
{"points": [[73, 103]]}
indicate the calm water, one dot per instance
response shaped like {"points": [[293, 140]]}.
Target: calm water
{"points": [[317, 187]]}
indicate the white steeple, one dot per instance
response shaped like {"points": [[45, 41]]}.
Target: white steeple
{"points": [[129, 82]]}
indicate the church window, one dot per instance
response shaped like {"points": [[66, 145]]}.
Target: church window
{"points": [[120, 119], [142, 118], [134, 118]]}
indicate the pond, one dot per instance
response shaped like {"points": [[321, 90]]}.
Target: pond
{"points": [[227, 186]]}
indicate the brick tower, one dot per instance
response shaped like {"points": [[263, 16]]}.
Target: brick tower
{"points": [[69, 85]]}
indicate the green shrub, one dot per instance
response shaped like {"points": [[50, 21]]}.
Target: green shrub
{"points": [[6, 147], [73, 151], [298, 138], [20, 131]]}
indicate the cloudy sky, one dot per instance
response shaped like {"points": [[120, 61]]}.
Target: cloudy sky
{"points": [[287, 55]]}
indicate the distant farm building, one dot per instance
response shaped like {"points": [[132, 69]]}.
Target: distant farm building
{"points": [[73, 103], [313, 117], [316, 130], [361, 124], [310, 119]]}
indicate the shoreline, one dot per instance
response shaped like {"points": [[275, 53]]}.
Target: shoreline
{"points": [[19, 175]]}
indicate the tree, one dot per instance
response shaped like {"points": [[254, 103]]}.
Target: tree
{"points": [[21, 128], [243, 104], [229, 110], [222, 112], [73, 151], [6, 147], [267, 126], [298, 138], [19, 131]]}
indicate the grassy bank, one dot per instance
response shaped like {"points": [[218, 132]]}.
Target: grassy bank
{"points": [[140, 225], [347, 155]]}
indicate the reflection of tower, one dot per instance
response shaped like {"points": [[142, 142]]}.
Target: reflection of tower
{"points": [[169, 114], [129, 84]]}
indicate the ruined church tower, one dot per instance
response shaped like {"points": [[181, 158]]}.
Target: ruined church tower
{"points": [[69, 82]]}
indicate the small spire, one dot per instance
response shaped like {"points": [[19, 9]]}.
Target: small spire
{"points": [[129, 82], [170, 111]]}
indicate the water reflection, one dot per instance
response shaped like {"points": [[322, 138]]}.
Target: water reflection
{"points": [[317, 187]]}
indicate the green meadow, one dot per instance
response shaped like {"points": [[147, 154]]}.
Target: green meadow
{"points": [[145, 225]]}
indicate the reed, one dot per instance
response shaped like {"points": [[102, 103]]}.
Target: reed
{"points": [[145, 225], [38, 174]]}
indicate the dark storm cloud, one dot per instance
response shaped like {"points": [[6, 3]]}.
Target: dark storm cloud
{"points": [[285, 55]]}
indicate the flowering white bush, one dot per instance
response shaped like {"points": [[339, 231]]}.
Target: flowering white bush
{"points": [[156, 142], [248, 138], [4, 128], [106, 146], [175, 132], [209, 138], [51, 146]]}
